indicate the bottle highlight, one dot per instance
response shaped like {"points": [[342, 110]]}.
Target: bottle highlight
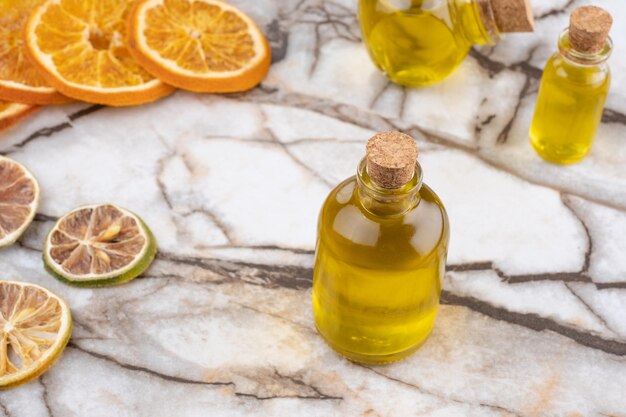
{"points": [[380, 256], [574, 88], [421, 42]]}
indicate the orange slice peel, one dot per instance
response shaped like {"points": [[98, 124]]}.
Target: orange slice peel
{"points": [[13, 113]]}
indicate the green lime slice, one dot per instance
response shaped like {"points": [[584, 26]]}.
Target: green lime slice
{"points": [[99, 246]]}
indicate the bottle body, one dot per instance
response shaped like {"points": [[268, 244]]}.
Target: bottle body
{"points": [[569, 106], [378, 270], [421, 42]]}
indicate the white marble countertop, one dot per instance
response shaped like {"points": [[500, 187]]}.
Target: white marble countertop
{"points": [[533, 321]]}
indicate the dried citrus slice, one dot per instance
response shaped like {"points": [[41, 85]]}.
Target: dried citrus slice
{"points": [[80, 48], [99, 245], [19, 79], [19, 200], [35, 326], [12, 113], [199, 45]]}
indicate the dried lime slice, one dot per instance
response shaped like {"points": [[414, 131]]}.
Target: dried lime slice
{"points": [[35, 326], [96, 246], [19, 199]]}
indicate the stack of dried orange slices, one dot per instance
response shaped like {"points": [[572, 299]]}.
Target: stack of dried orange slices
{"points": [[124, 52], [19, 79], [22, 87]]}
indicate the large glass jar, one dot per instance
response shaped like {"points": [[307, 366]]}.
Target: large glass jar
{"points": [[420, 42]]}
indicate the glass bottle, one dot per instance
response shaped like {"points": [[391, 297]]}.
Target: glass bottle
{"points": [[574, 88], [380, 256], [421, 42]]}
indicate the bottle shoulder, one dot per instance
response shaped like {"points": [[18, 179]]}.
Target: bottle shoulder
{"points": [[347, 225], [559, 70]]}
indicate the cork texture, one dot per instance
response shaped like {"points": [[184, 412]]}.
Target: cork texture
{"points": [[513, 15], [391, 159], [589, 28]]}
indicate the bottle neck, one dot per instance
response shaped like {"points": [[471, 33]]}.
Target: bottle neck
{"points": [[388, 202], [575, 57], [478, 21]]}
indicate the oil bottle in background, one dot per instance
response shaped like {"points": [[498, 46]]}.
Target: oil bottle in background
{"points": [[420, 42], [574, 88], [380, 257]]}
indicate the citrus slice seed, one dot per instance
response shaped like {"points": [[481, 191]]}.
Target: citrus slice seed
{"points": [[35, 327], [99, 245]]}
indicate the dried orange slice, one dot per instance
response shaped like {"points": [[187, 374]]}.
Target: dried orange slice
{"points": [[100, 245], [199, 45], [19, 79], [35, 326], [12, 113], [19, 200], [80, 48]]}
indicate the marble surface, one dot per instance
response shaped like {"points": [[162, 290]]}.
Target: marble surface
{"points": [[533, 321]]}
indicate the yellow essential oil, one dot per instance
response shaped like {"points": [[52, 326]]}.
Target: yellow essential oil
{"points": [[571, 100], [380, 258], [420, 42]]}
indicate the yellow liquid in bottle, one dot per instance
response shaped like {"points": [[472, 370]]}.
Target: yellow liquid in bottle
{"points": [[419, 42], [377, 278], [569, 109]]}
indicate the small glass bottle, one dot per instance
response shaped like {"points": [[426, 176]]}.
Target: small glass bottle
{"points": [[421, 42], [574, 88], [380, 256]]}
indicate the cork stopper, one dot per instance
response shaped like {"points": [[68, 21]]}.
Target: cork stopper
{"points": [[513, 15], [391, 159], [589, 28]]}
